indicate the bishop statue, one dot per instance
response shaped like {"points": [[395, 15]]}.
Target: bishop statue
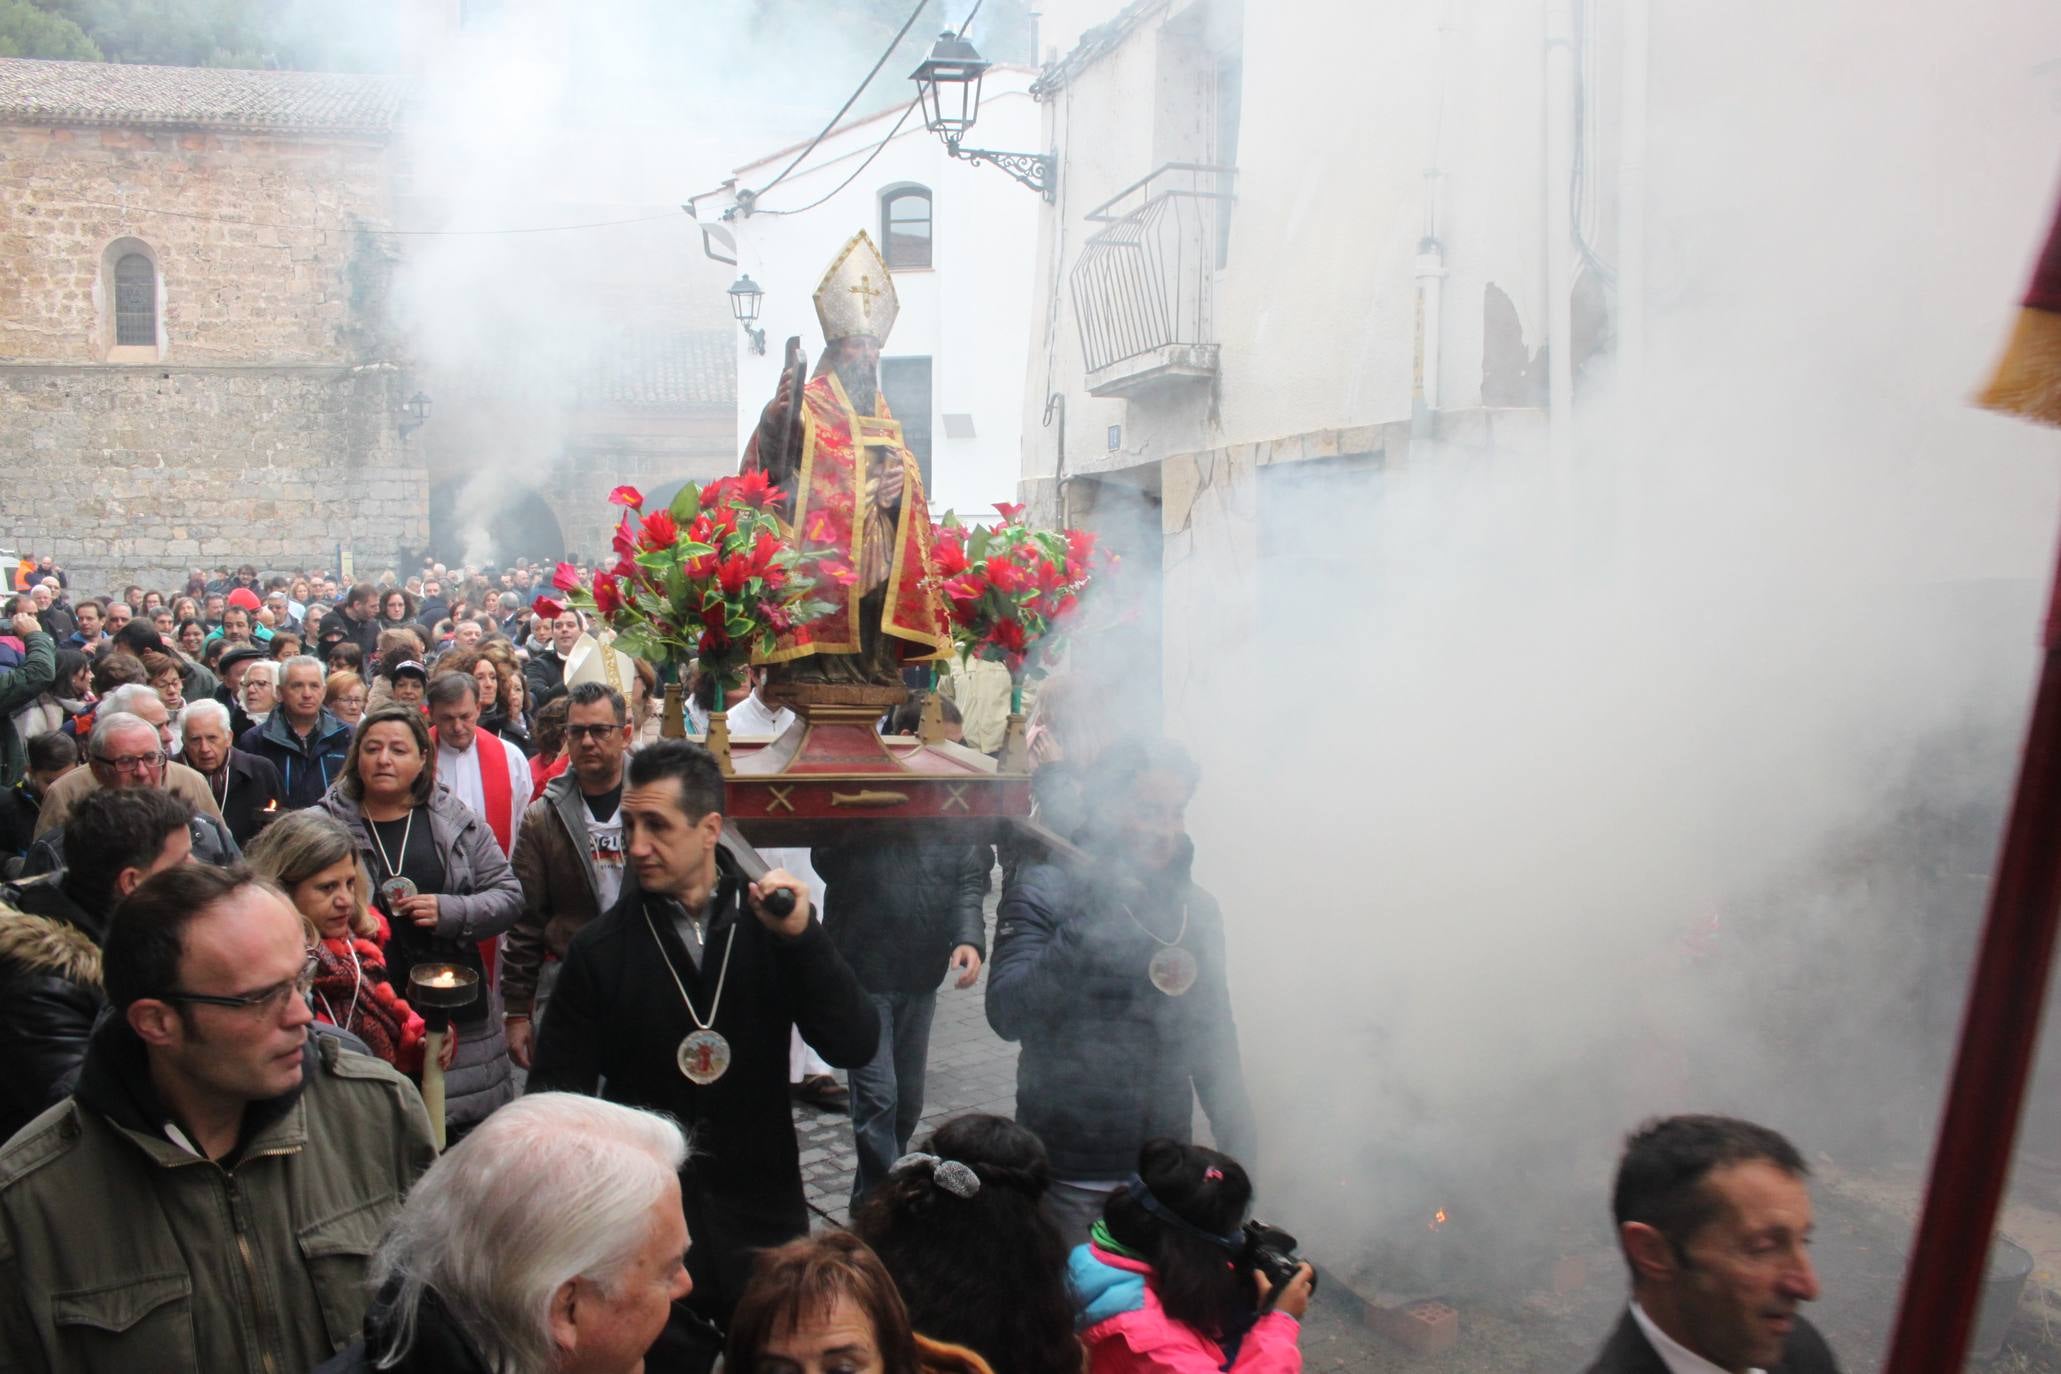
{"points": [[854, 490]]}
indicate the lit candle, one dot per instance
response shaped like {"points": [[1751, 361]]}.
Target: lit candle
{"points": [[444, 978]]}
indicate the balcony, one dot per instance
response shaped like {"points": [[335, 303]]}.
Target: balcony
{"points": [[1142, 288]]}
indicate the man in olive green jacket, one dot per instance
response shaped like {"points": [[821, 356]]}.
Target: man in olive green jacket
{"points": [[208, 1198]]}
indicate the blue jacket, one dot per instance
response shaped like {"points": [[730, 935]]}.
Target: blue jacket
{"points": [[305, 767], [1109, 1061]]}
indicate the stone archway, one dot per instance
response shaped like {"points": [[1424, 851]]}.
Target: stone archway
{"points": [[470, 522]]}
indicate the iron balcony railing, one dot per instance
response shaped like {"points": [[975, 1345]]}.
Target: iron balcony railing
{"points": [[1143, 283]]}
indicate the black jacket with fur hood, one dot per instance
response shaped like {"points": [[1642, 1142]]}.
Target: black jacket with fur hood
{"points": [[50, 995]]}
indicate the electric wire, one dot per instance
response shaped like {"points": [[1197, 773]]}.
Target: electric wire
{"points": [[879, 147], [845, 108]]}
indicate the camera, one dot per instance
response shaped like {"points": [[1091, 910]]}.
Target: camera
{"points": [[1271, 1251]]}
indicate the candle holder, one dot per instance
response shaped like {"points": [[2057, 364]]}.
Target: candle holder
{"points": [[437, 990]]}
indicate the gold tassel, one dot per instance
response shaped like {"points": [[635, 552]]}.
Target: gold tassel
{"points": [[2028, 379]]}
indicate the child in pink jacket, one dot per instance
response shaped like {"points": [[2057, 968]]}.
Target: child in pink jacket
{"points": [[1163, 1287]]}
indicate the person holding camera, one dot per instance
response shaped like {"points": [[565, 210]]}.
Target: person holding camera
{"points": [[1175, 1280]]}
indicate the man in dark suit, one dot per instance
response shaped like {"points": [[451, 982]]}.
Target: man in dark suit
{"points": [[1714, 1216]]}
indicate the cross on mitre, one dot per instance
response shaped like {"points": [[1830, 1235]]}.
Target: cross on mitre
{"points": [[865, 291], [857, 295]]}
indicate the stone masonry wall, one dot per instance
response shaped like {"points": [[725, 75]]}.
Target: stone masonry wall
{"points": [[285, 287], [262, 427], [139, 473]]}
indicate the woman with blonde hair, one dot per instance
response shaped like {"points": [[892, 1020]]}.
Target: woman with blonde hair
{"points": [[344, 695], [311, 857]]}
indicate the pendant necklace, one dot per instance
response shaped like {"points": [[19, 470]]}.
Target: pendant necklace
{"points": [[396, 889], [704, 1056], [1173, 969]]}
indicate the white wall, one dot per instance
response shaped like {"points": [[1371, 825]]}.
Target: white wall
{"points": [[1315, 308], [969, 313]]}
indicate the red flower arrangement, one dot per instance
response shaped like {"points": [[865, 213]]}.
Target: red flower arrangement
{"points": [[1010, 587], [712, 576]]}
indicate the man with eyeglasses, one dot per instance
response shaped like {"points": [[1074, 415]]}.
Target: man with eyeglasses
{"points": [[568, 858], [50, 942], [208, 1197], [127, 749]]}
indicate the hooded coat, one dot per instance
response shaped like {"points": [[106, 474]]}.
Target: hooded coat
{"points": [[49, 996]]}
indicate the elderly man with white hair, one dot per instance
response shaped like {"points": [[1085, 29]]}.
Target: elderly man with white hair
{"points": [[141, 702], [473, 1275], [124, 751], [246, 786]]}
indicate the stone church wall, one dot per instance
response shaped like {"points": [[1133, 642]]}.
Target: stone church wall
{"points": [[262, 426]]}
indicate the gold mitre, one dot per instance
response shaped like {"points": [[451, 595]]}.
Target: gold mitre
{"points": [[591, 661], [857, 295]]}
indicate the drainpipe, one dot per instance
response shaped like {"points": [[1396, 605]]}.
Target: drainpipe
{"points": [[1431, 275], [1631, 269], [1559, 245]]}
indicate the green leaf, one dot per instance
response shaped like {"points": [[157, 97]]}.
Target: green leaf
{"points": [[687, 549], [686, 503], [977, 544], [640, 642]]}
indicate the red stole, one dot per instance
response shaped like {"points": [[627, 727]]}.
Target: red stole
{"points": [[495, 793]]}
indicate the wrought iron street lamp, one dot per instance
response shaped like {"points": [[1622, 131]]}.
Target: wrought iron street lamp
{"points": [[745, 296], [948, 86], [415, 413]]}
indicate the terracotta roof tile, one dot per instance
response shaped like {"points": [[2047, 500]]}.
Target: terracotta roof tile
{"points": [[658, 370], [34, 91]]}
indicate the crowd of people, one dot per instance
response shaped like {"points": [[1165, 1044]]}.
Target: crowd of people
{"points": [[238, 816]]}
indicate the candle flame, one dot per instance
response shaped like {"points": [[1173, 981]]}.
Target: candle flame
{"points": [[271, 806], [445, 979], [1438, 1219]]}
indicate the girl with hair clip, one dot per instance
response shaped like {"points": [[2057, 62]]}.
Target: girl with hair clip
{"points": [[979, 1264], [1162, 1285]]}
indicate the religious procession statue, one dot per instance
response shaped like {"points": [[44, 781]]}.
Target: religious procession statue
{"points": [[854, 492]]}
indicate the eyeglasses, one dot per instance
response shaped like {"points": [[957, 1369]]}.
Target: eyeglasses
{"points": [[592, 732], [132, 763], [268, 1001]]}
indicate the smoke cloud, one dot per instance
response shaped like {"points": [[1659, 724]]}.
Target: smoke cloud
{"points": [[1546, 797]]}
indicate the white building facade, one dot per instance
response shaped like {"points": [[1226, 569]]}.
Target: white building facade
{"points": [[1368, 238], [959, 240]]}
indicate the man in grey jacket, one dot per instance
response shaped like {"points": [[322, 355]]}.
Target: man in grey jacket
{"points": [[207, 1199]]}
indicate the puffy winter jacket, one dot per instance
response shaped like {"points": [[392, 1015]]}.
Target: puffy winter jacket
{"points": [[1128, 1332], [1109, 1061], [49, 994], [18, 687]]}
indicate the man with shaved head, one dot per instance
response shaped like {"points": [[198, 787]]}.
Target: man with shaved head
{"points": [[120, 1254]]}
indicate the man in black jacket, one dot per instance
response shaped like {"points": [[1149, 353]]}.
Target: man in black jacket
{"points": [[1714, 1217], [50, 942], [246, 786], [900, 913], [681, 999]]}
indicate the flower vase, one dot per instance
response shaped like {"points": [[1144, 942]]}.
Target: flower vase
{"points": [[718, 741], [1015, 747], [930, 728], [673, 721]]}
